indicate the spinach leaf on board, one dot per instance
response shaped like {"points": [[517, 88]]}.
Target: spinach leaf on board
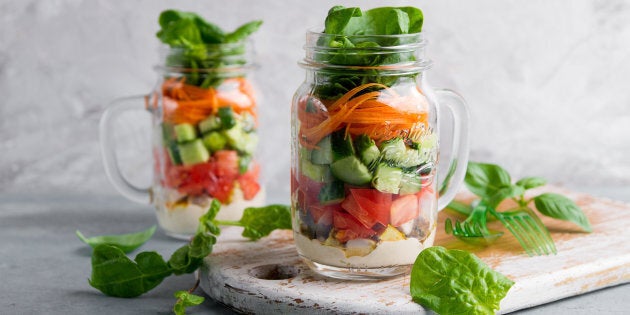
{"points": [[563, 208], [259, 222], [456, 282], [126, 242], [485, 180]]}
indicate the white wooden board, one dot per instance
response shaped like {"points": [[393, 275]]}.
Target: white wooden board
{"points": [[233, 273]]}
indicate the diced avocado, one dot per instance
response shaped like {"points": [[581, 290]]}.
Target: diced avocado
{"points": [[367, 149], [211, 123], [193, 152], [331, 193], [241, 140], [214, 141], [322, 155], [393, 149], [319, 173], [227, 117], [341, 145], [387, 179], [243, 163], [410, 183], [391, 234], [351, 171], [185, 132], [173, 153]]}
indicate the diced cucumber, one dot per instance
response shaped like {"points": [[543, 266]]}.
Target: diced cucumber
{"points": [[185, 132], [322, 155], [241, 140], [227, 117], [211, 123], [331, 193], [410, 183], [367, 149], [168, 135], [214, 141], [319, 173], [351, 171], [428, 141], [248, 122], [341, 145], [173, 153], [393, 150], [412, 157], [387, 178], [193, 152], [243, 163]]}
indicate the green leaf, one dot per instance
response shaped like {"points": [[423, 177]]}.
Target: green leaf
{"points": [[126, 242], [259, 222], [460, 207], [243, 31], [115, 274], [338, 18], [184, 300], [206, 221], [531, 182], [456, 282], [485, 180], [503, 193], [563, 208]]}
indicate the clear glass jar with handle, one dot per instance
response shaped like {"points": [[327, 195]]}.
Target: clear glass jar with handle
{"points": [[204, 131], [365, 154]]}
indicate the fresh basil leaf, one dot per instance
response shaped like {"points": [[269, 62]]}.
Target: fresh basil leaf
{"points": [[563, 208], [503, 193], [531, 182], [126, 242], [259, 222], [485, 180], [115, 274], [185, 299], [456, 282], [243, 31]]}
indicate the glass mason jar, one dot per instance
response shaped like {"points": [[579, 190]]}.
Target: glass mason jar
{"points": [[204, 136], [365, 154]]}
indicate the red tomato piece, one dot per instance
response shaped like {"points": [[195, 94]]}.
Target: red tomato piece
{"points": [[377, 204], [226, 162], [348, 227], [352, 206], [323, 214], [249, 182], [404, 209]]}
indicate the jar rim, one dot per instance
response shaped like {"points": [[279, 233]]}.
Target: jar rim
{"points": [[232, 57]]}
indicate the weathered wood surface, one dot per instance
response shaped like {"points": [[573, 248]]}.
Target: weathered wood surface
{"points": [[585, 262]]}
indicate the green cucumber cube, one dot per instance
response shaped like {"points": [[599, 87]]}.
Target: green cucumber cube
{"points": [[185, 132], [214, 141], [211, 123], [173, 153], [350, 170], [367, 149], [331, 193], [318, 173], [193, 152], [322, 155], [410, 183], [387, 178], [227, 117], [341, 145], [393, 149]]}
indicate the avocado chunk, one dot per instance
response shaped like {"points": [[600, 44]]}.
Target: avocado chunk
{"points": [[366, 149], [350, 170], [193, 152], [322, 155], [185, 132], [387, 178]]}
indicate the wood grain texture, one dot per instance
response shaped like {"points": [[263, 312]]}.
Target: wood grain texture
{"points": [[584, 262]]}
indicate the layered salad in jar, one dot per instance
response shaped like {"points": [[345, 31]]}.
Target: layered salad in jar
{"points": [[364, 155], [208, 125]]}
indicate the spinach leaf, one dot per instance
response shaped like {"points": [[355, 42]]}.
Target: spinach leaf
{"points": [[115, 274], [243, 31], [338, 18], [563, 208], [186, 299], [126, 242], [485, 180], [531, 182], [456, 282], [504, 192], [260, 222]]}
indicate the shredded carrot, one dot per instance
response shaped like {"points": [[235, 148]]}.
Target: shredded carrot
{"points": [[192, 104], [381, 115]]}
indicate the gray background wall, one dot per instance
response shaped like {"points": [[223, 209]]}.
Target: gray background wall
{"points": [[548, 83]]}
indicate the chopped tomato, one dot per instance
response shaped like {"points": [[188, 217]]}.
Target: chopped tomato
{"points": [[348, 227], [249, 182], [323, 214], [226, 163], [404, 209], [350, 204], [377, 204]]}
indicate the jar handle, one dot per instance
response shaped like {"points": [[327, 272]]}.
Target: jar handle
{"points": [[458, 159], [108, 153]]}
